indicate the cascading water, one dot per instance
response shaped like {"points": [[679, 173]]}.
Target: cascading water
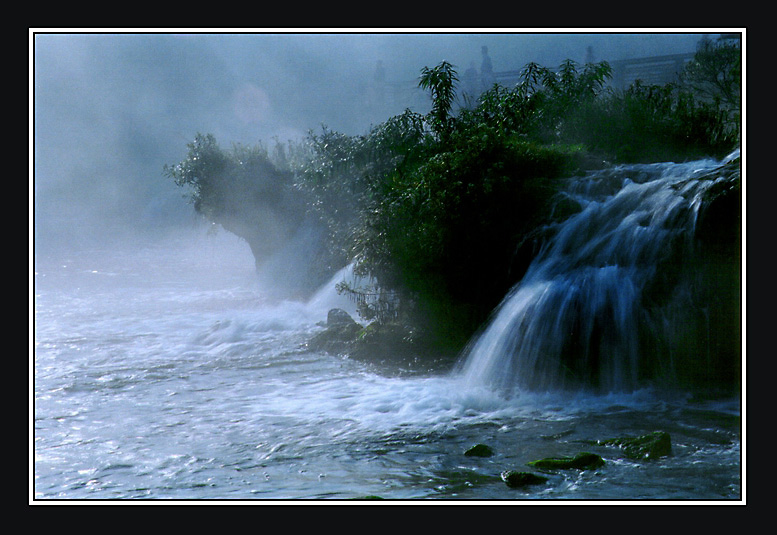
{"points": [[605, 304], [166, 369]]}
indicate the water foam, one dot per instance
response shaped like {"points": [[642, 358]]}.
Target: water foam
{"points": [[574, 319]]}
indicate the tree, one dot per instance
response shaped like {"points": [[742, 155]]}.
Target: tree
{"points": [[715, 74], [561, 92], [441, 81], [242, 191]]}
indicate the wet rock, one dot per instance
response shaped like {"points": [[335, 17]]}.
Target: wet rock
{"points": [[392, 348], [479, 450], [515, 479], [341, 329], [338, 316], [719, 225], [395, 348], [650, 446], [581, 461]]}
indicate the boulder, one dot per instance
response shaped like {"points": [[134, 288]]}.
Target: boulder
{"points": [[479, 450], [581, 461], [340, 331], [515, 479], [651, 446], [337, 317]]}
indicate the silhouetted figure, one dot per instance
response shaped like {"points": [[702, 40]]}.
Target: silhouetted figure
{"points": [[589, 54], [487, 77], [470, 80]]}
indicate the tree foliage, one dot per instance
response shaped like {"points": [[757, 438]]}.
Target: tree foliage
{"points": [[432, 208], [715, 73], [441, 81], [651, 123], [241, 190]]}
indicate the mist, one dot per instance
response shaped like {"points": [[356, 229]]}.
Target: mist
{"points": [[111, 109]]}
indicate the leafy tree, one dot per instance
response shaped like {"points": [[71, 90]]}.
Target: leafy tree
{"points": [[646, 123], [345, 176], [241, 190], [433, 208], [441, 81], [715, 72], [537, 106], [439, 224], [563, 91]]}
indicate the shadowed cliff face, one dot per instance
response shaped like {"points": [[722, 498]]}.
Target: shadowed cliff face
{"points": [[287, 243], [700, 290], [719, 233], [264, 216]]}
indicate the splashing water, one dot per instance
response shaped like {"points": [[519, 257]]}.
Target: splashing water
{"points": [[169, 373], [576, 318]]}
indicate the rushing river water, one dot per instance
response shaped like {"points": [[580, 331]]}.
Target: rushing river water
{"points": [[166, 370], [164, 373]]}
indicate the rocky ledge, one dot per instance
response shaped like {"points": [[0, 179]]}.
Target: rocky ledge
{"points": [[392, 347]]}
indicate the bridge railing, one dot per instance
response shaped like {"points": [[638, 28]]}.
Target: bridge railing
{"points": [[657, 70]]}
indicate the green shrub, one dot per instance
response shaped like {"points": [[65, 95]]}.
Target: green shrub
{"points": [[343, 176], [431, 208], [446, 232], [241, 190], [650, 123]]}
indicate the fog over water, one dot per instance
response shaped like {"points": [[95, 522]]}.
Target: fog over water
{"points": [[166, 366], [111, 109]]}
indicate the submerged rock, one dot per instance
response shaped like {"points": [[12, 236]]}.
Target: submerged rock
{"points": [[479, 450], [514, 479], [581, 461], [651, 446]]}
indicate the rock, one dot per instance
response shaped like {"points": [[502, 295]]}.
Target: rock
{"points": [[650, 446], [338, 316], [393, 348], [581, 461], [515, 479], [479, 450], [340, 331], [719, 220], [396, 348], [715, 362]]}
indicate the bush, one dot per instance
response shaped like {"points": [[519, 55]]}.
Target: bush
{"points": [[446, 232], [344, 177], [243, 191], [647, 123], [432, 208]]}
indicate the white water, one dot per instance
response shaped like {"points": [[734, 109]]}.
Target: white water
{"points": [[163, 371], [582, 294]]}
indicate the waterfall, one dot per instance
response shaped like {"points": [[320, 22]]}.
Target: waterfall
{"points": [[611, 300], [328, 297]]}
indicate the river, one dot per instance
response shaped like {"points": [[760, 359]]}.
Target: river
{"points": [[164, 369]]}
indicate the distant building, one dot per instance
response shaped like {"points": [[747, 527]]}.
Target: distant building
{"points": [[656, 70]]}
